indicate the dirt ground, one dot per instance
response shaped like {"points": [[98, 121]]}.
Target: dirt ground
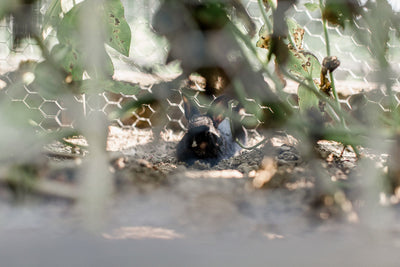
{"points": [[272, 188], [247, 210]]}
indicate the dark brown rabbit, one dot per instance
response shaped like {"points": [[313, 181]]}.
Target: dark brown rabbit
{"points": [[210, 137]]}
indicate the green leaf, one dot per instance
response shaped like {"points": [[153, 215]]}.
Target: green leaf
{"points": [[77, 55], [118, 33], [263, 41], [49, 81], [211, 16], [312, 64], [68, 31], [96, 86], [116, 29], [105, 68], [339, 12], [311, 6], [307, 98], [295, 65], [303, 64], [123, 88], [296, 33], [70, 59]]}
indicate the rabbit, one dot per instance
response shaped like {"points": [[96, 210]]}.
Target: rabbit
{"points": [[210, 137]]}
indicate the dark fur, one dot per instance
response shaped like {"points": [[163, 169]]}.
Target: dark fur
{"points": [[209, 138]]}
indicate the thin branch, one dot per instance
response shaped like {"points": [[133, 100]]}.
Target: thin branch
{"points": [[264, 15], [252, 48]]}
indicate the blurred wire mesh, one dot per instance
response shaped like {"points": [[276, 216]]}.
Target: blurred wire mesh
{"points": [[356, 74]]}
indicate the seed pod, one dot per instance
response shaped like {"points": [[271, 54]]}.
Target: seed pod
{"points": [[330, 64]]}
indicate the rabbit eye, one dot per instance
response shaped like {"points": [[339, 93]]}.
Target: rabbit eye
{"points": [[194, 144]]}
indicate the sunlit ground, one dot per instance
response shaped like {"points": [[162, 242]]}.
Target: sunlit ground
{"points": [[143, 232]]}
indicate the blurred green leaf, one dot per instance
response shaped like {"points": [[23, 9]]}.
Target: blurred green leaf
{"points": [[338, 12], [378, 41], [68, 31], [123, 88], [49, 81], [71, 46], [118, 33], [106, 68], [210, 16], [98, 86], [311, 6], [307, 98], [70, 59]]}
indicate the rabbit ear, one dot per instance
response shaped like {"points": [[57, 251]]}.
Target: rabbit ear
{"points": [[190, 107], [219, 109]]}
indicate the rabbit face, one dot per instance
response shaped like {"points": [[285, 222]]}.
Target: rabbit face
{"points": [[208, 139], [204, 138]]}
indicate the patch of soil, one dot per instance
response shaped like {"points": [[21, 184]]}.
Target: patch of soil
{"points": [[272, 191]]}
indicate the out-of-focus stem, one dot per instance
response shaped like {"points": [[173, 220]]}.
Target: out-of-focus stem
{"points": [[264, 15], [249, 45]]}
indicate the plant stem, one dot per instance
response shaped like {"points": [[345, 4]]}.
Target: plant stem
{"points": [[327, 43], [328, 54], [321, 96], [251, 147], [249, 45], [264, 15], [42, 46], [279, 86]]}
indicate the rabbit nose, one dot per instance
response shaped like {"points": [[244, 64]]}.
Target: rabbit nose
{"points": [[203, 145]]}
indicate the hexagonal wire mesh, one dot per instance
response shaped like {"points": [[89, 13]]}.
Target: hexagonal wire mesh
{"points": [[356, 73]]}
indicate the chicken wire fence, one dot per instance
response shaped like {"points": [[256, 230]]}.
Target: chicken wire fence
{"points": [[356, 76]]}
